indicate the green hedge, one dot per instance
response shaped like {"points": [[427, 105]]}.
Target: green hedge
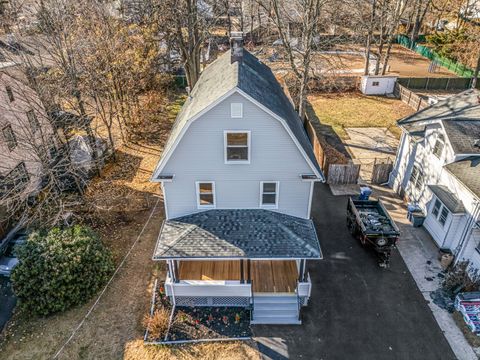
{"points": [[456, 67], [59, 269]]}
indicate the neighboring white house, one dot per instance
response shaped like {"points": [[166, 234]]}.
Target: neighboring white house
{"points": [[237, 176], [438, 168]]}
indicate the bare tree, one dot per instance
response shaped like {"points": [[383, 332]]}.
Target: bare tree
{"points": [[187, 24], [299, 52]]}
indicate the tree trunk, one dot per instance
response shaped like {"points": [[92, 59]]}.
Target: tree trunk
{"points": [[369, 38], [476, 73]]}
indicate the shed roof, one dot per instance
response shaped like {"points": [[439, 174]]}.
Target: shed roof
{"points": [[449, 199], [253, 78], [249, 233], [467, 171]]}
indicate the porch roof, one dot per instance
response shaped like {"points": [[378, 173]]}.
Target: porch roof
{"points": [[252, 233]]}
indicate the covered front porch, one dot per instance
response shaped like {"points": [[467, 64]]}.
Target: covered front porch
{"points": [[264, 276], [254, 258]]}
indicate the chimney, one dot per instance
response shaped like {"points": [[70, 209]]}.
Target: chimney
{"points": [[236, 46]]}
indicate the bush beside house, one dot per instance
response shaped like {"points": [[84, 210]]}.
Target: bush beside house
{"points": [[59, 269]]}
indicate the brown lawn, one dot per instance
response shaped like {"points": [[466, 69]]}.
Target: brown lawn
{"points": [[343, 110], [119, 204]]}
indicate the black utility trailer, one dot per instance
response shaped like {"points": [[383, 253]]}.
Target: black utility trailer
{"points": [[368, 221]]}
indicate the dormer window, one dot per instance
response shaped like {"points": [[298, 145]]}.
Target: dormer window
{"points": [[236, 110], [439, 145], [237, 147]]}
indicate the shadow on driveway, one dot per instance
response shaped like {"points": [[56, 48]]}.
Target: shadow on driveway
{"points": [[357, 310], [7, 301]]}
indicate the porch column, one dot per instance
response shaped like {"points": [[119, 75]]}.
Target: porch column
{"points": [[174, 271], [301, 273], [242, 277]]}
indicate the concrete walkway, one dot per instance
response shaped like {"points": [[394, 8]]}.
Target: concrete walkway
{"points": [[421, 257], [368, 144]]}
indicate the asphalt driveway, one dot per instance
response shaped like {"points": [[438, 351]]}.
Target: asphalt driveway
{"points": [[357, 310]]}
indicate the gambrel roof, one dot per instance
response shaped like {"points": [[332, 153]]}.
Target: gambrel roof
{"points": [[256, 82]]}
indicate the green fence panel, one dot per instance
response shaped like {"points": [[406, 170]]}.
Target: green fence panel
{"points": [[456, 67]]}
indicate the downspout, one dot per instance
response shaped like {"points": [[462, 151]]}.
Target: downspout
{"points": [[467, 231]]}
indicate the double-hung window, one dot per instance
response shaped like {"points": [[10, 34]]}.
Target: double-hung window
{"points": [[9, 91], [436, 208], [416, 178], [439, 145], [205, 194], [33, 120], [440, 212], [9, 137], [269, 194], [237, 147]]}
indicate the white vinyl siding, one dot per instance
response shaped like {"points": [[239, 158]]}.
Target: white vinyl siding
{"points": [[273, 155]]}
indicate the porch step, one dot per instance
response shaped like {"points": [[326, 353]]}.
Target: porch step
{"points": [[281, 320], [271, 309], [272, 299]]}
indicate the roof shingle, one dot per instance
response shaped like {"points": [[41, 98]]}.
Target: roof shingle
{"points": [[249, 233], [467, 171]]}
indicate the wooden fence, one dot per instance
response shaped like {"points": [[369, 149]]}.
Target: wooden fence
{"points": [[430, 83], [343, 174], [317, 146], [409, 97], [381, 171]]}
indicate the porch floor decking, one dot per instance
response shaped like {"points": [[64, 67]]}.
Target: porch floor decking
{"points": [[268, 276]]}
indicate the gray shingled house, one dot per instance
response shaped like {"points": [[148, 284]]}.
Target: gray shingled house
{"points": [[237, 176], [438, 167]]}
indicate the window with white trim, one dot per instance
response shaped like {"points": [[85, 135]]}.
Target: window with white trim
{"points": [[440, 212], [237, 147], [269, 194], [416, 178], [236, 110], [436, 208], [439, 145], [205, 194]]}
